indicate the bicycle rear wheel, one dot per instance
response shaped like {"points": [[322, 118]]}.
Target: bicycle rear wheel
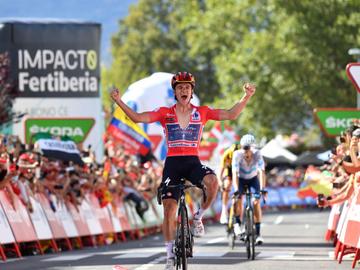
{"points": [[231, 239], [230, 229]]}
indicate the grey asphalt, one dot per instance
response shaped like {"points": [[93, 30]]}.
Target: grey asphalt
{"points": [[293, 240]]}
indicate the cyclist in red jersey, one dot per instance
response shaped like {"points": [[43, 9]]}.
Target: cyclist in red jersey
{"points": [[183, 124]]}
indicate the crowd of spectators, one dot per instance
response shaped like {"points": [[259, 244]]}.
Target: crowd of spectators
{"points": [[285, 177], [343, 167], [25, 171]]}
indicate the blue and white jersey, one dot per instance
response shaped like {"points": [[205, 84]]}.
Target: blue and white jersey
{"points": [[247, 170]]}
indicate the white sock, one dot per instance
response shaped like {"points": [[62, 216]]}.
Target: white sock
{"points": [[199, 214], [169, 249], [224, 209]]}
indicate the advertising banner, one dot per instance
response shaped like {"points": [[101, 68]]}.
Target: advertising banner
{"points": [[76, 129], [333, 121], [18, 218], [40, 222], [54, 58], [6, 235], [55, 66]]}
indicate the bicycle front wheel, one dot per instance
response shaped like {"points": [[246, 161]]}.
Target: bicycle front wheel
{"points": [[183, 230], [248, 225], [252, 234]]}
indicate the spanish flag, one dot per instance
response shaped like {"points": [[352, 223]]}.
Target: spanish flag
{"points": [[128, 133]]}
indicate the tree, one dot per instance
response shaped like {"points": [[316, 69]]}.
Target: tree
{"points": [[152, 38], [295, 56], [295, 52]]}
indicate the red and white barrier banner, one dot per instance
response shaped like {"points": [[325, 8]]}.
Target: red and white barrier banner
{"points": [[342, 218], [333, 221], [352, 229], [133, 217], [64, 216], [79, 220], [334, 217], [39, 221], [151, 216], [115, 218], [124, 221], [102, 214], [55, 224], [18, 218], [92, 221], [6, 234]]}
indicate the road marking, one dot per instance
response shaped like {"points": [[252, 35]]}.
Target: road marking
{"points": [[135, 255], [275, 255], [151, 264], [209, 254], [68, 258], [216, 240], [278, 220], [134, 250]]}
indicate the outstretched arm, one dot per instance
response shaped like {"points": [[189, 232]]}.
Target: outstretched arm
{"points": [[144, 117], [235, 111]]}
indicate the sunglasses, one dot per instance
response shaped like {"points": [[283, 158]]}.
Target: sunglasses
{"points": [[246, 147]]}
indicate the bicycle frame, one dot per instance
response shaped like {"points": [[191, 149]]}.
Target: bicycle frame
{"points": [[184, 239], [249, 224]]}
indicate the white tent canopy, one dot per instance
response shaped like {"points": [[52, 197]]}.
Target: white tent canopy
{"points": [[273, 150]]}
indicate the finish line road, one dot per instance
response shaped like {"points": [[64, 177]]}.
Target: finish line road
{"points": [[293, 240]]}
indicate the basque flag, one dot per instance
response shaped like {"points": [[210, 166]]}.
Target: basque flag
{"points": [[128, 133]]}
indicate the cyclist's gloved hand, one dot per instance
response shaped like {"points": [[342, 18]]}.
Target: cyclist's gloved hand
{"points": [[236, 193], [264, 193]]}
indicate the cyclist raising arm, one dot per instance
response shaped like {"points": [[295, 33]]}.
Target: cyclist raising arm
{"points": [[183, 124], [247, 164]]}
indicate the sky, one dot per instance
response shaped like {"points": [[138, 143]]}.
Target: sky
{"points": [[106, 12]]}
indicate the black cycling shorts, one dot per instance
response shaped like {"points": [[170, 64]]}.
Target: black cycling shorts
{"points": [[228, 172], [179, 167], [253, 183]]}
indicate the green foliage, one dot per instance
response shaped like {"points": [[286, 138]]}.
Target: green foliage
{"points": [[294, 51]]}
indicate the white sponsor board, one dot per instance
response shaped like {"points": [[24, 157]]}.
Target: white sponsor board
{"points": [[114, 218], [62, 214], [6, 235], [92, 221], [39, 221], [63, 108]]}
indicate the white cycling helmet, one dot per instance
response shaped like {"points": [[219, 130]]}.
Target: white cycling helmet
{"points": [[247, 140]]}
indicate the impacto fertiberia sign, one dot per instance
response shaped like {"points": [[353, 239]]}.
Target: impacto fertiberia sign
{"points": [[333, 121], [56, 67]]}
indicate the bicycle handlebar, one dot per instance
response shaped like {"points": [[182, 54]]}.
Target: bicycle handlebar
{"points": [[182, 187], [263, 194]]}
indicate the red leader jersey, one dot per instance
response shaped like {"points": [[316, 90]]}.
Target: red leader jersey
{"points": [[183, 141]]}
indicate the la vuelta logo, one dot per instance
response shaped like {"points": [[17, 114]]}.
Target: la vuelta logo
{"points": [[50, 72]]}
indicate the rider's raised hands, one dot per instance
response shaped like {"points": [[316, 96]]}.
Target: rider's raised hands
{"points": [[249, 89]]}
